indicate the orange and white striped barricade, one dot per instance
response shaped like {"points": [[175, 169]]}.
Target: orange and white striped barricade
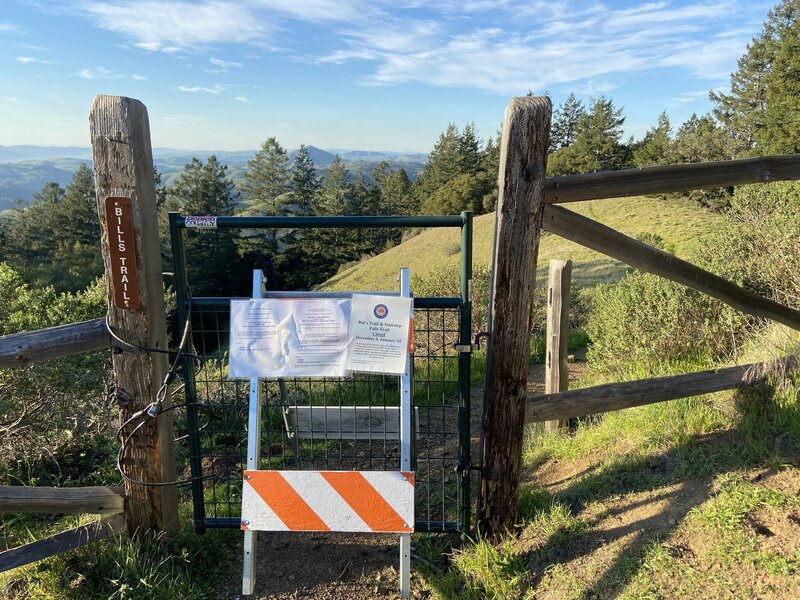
{"points": [[351, 501], [356, 501]]}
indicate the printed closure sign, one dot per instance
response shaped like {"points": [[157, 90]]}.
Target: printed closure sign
{"points": [[318, 337], [122, 248], [288, 337], [379, 329]]}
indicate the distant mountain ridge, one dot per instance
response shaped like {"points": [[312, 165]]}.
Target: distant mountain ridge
{"points": [[25, 169]]}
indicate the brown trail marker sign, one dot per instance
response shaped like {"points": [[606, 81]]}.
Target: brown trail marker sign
{"points": [[124, 272]]}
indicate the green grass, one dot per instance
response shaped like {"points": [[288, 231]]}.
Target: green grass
{"points": [[679, 222]]}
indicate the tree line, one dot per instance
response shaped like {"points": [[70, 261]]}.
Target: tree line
{"points": [[55, 240]]}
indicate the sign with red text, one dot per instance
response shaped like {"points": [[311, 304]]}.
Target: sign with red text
{"points": [[122, 247]]}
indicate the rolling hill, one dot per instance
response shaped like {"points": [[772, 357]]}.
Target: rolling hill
{"points": [[681, 223]]}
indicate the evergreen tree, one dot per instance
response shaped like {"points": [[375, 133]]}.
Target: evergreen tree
{"points": [[597, 139], [701, 139], [304, 184], [781, 133], [761, 113], [565, 123], [211, 256], [656, 147], [294, 265], [267, 179], [742, 112], [78, 259]]}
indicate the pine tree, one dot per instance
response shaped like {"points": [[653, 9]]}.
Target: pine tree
{"points": [[597, 139], [565, 123], [656, 147], [304, 184], [211, 256], [267, 179], [781, 133]]}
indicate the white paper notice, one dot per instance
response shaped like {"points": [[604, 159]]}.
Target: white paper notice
{"points": [[288, 337], [378, 333]]}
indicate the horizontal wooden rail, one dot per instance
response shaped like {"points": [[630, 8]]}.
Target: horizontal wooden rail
{"points": [[616, 396], [60, 500], [68, 540], [610, 242], [671, 178], [19, 349]]}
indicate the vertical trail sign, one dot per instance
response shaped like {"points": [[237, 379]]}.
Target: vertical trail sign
{"points": [[122, 246]]}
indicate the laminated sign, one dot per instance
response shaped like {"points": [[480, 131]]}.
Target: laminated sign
{"points": [[319, 337]]}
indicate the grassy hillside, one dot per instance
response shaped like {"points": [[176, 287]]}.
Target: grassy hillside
{"points": [[681, 223]]}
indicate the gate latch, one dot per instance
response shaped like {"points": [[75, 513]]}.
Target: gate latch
{"points": [[466, 347]]}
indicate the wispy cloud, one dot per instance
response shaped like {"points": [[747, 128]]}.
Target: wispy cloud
{"points": [[138, 77], [502, 46], [97, 73], [197, 89], [170, 26], [224, 64], [9, 27], [687, 98], [26, 60], [243, 99]]}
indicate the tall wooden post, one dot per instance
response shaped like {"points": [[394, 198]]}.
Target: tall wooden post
{"points": [[523, 157], [126, 203], [556, 372]]}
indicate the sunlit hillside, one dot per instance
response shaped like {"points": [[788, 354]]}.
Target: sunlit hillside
{"points": [[681, 224]]}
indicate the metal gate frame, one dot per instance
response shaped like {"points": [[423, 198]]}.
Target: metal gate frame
{"points": [[463, 302]]}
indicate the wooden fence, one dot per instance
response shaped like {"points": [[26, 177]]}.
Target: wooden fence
{"points": [[527, 205]]}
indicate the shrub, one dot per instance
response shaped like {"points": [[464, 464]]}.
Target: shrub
{"points": [[645, 325]]}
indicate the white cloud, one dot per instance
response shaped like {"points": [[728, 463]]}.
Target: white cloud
{"points": [[196, 89], [501, 46], [138, 77], [172, 26], [9, 27], [244, 99], [26, 60], [97, 73], [224, 64]]}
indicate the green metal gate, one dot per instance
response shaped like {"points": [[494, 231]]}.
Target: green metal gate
{"points": [[216, 407]]}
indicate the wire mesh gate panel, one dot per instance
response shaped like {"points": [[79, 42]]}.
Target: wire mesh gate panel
{"points": [[348, 423]]}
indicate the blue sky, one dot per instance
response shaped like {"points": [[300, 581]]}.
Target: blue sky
{"points": [[374, 75]]}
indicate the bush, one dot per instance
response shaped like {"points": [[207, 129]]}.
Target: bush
{"points": [[644, 325], [760, 248], [43, 405]]}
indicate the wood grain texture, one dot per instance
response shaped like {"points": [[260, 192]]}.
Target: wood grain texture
{"points": [[556, 370], [671, 178], [60, 500], [56, 544], [523, 157], [123, 167], [20, 349], [616, 396], [610, 242]]}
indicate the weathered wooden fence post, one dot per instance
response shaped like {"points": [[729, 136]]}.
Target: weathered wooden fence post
{"points": [[126, 203], [556, 371], [523, 157]]}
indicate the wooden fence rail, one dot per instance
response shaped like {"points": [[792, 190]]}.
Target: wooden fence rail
{"points": [[616, 396], [671, 178], [57, 500], [19, 349], [610, 242], [68, 540]]}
